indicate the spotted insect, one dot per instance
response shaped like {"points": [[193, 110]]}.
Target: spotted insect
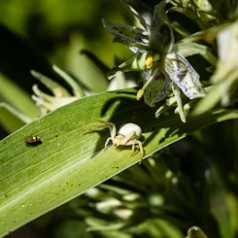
{"points": [[33, 140], [127, 135]]}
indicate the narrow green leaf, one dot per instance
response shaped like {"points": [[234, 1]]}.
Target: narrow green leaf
{"points": [[36, 179], [11, 119], [14, 95]]}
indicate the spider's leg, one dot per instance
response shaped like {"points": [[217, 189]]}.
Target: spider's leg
{"points": [[95, 128], [133, 147], [141, 150], [107, 141], [129, 138], [111, 126], [104, 124]]}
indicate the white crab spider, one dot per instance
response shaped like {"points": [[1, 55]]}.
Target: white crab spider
{"points": [[127, 135]]}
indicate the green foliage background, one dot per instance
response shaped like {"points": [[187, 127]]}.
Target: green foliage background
{"points": [[190, 175]]}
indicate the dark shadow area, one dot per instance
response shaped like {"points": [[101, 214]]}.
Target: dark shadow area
{"points": [[16, 53]]}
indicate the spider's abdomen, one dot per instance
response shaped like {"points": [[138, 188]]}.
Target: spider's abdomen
{"points": [[129, 129]]}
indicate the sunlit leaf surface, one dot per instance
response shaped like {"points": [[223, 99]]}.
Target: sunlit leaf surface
{"points": [[37, 178]]}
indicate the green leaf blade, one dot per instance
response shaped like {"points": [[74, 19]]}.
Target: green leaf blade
{"points": [[36, 179]]}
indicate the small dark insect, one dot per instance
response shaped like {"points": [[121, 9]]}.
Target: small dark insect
{"points": [[33, 140]]}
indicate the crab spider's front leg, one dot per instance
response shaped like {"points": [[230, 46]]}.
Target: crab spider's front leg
{"points": [[111, 126], [107, 141], [104, 124], [124, 140]]}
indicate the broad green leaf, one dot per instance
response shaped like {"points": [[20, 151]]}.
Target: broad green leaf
{"points": [[36, 179]]}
